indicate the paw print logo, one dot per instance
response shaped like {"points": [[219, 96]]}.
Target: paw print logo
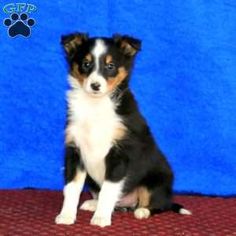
{"points": [[19, 25]]}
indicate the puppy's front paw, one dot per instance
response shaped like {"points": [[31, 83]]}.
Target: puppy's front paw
{"points": [[65, 219], [100, 221]]}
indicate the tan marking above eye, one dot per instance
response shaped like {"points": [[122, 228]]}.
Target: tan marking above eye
{"points": [[108, 59], [88, 57]]}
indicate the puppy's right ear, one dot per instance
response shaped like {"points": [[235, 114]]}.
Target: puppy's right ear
{"points": [[70, 42]]}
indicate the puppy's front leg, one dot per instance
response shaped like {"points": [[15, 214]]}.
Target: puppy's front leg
{"points": [[112, 188], [110, 193], [75, 177]]}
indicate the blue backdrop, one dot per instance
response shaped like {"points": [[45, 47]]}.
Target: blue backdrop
{"points": [[184, 81]]}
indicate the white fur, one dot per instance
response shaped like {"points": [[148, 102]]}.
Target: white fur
{"points": [[89, 205], [92, 125], [71, 199], [185, 212], [98, 50], [142, 213], [110, 193], [94, 77], [73, 82]]}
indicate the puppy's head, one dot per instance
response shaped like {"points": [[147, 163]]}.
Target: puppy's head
{"points": [[99, 65]]}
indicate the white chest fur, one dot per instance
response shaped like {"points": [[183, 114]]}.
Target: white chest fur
{"points": [[93, 126]]}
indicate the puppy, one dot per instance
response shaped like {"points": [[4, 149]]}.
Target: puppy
{"points": [[108, 143]]}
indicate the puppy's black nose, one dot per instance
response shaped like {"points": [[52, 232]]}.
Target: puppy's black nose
{"points": [[95, 86]]}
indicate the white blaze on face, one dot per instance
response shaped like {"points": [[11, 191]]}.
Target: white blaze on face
{"points": [[98, 50]]}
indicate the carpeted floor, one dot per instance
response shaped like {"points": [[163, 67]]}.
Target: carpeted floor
{"points": [[32, 212]]}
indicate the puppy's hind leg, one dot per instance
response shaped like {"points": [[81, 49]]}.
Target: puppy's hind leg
{"points": [[89, 205], [143, 211]]}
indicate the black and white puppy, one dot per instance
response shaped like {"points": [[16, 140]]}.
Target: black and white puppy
{"points": [[108, 143]]}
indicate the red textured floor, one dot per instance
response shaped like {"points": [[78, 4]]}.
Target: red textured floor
{"points": [[32, 212]]}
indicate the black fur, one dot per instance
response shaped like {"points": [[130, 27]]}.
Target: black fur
{"points": [[72, 162], [144, 163], [137, 156]]}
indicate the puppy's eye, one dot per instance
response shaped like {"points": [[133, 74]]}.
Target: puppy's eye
{"points": [[86, 65], [110, 66]]}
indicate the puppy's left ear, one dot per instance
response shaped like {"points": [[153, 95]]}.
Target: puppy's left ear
{"points": [[72, 41], [129, 45]]}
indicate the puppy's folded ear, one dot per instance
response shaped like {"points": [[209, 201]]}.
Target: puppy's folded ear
{"points": [[129, 45], [70, 42]]}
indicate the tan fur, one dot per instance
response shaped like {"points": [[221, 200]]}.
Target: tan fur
{"points": [[120, 132], [75, 73], [78, 176], [108, 59], [69, 139], [89, 57], [113, 82], [77, 40], [143, 197], [128, 49]]}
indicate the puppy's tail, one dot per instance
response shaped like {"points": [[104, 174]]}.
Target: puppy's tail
{"points": [[175, 207]]}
